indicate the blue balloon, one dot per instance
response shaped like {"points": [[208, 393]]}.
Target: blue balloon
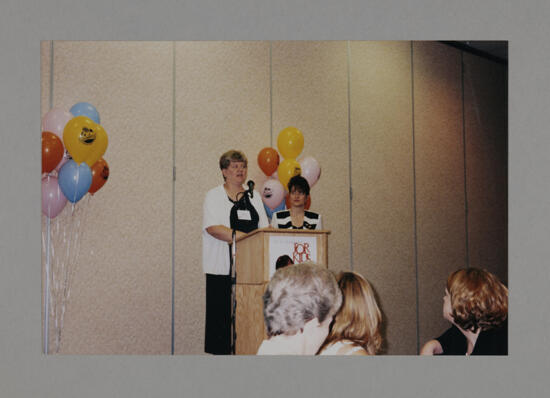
{"points": [[85, 109], [74, 180], [270, 212]]}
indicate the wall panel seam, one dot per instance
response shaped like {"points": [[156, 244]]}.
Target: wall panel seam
{"points": [[349, 159], [51, 74], [270, 95], [466, 213], [172, 298], [46, 326], [414, 204]]}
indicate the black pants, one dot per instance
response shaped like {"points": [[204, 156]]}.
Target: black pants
{"points": [[217, 339]]}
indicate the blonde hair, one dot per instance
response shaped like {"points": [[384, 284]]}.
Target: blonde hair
{"points": [[359, 318], [478, 299], [296, 295]]}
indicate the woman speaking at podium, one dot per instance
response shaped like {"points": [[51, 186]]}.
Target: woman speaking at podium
{"points": [[227, 207], [297, 217]]}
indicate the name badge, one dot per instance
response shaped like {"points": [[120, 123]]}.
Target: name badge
{"points": [[243, 215]]}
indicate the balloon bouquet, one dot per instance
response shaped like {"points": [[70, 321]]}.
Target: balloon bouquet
{"points": [[73, 144], [290, 143]]}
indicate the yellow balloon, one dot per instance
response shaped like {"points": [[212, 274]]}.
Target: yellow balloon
{"points": [[85, 140], [287, 169], [290, 142]]}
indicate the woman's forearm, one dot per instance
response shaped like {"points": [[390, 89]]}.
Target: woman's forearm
{"points": [[432, 347], [222, 232]]}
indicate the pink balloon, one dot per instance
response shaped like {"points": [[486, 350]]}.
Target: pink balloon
{"points": [[311, 170], [55, 120], [53, 200], [272, 193], [66, 157]]}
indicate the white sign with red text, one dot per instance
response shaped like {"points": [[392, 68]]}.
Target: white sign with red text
{"points": [[299, 249]]}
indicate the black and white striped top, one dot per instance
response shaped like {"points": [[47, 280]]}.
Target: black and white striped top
{"points": [[282, 220]]}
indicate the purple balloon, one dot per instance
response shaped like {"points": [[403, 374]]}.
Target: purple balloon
{"points": [[311, 170], [53, 200], [55, 120], [273, 193]]}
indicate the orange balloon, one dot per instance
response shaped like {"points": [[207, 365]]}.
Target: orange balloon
{"points": [[268, 160], [100, 174], [52, 151], [307, 205]]}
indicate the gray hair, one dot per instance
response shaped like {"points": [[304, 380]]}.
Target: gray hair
{"points": [[297, 294]]}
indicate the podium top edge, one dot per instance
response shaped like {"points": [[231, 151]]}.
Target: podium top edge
{"points": [[286, 231]]}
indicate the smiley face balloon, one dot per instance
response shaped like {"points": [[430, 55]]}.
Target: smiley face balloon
{"points": [[85, 140]]}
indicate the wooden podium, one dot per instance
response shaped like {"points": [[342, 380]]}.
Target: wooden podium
{"points": [[253, 266]]}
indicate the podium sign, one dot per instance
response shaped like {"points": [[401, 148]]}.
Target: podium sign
{"points": [[299, 248]]}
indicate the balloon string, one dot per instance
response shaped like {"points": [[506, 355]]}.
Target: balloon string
{"points": [[47, 296], [72, 256], [60, 240], [81, 220], [72, 237], [62, 293], [54, 286], [63, 242]]}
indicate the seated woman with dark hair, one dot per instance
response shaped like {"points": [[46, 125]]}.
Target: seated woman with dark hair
{"points": [[476, 303], [356, 326], [299, 304], [297, 216]]}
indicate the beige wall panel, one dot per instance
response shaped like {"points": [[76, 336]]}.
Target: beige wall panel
{"points": [[45, 73], [439, 160], [222, 102], [121, 291], [382, 181], [485, 90], [310, 93]]}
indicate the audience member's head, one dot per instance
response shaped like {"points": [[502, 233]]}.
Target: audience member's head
{"points": [[283, 261], [359, 318], [301, 300], [475, 299]]}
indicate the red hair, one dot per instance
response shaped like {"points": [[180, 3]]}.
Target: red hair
{"points": [[478, 299]]}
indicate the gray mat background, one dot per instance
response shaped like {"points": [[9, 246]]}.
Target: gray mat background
{"points": [[25, 372]]}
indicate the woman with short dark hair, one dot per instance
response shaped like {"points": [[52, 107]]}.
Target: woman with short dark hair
{"points": [[297, 217]]}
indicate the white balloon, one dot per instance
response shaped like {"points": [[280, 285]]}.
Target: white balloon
{"points": [[273, 193], [311, 170], [55, 120]]}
